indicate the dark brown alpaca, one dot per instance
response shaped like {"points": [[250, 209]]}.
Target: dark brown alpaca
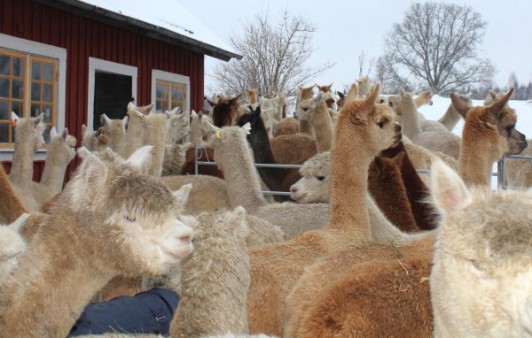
{"points": [[385, 184], [205, 154], [277, 179], [225, 111], [416, 190]]}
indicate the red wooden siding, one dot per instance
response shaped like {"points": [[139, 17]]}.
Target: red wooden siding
{"points": [[83, 38]]}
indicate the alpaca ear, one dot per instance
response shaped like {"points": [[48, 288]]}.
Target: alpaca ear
{"points": [[459, 105], [318, 98], [496, 107], [14, 116], [352, 94], [83, 129], [141, 158], [64, 134], [236, 222], [448, 191], [182, 195], [105, 120], [53, 133], [124, 121], [94, 174], [340, 94], [371, 99], [38, 119], [193, 114]]}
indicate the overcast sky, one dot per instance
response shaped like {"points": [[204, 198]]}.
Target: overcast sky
{"points": [[346, 29]]}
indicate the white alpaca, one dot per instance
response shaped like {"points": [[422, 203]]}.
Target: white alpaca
{"points": [[114, 131], [177, 126], [12, 245], [110, 220], [61, 151], [215, 278], [480, 279]]}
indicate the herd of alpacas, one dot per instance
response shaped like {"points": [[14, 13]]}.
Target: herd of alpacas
{"points": [[391, 228]]}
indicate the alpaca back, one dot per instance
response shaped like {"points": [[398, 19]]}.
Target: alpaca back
{"points": [[215, 278]]}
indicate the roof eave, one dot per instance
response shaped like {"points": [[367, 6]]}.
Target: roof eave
{"points": [[141, 27]]}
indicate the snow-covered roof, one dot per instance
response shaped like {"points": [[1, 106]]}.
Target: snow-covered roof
{"points": [[167, 18]]}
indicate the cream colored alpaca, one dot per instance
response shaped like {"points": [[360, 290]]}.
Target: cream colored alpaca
{"points": [[61, 151], [488, 133], [116, 221], [303, 93], [316, 112], [364, 86], [215, 278], [480, 280], [114, 131], [135, 129], [201, 129], [28, 139], [12, 245], [93, 140], [425, 97], [177, 126]]}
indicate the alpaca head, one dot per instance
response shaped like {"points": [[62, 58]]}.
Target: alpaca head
{"points": [[364, 86], [177, 125], [30, 129], [252, 96], [114, 132], [313, 186], [499, 120], [324, 88], [65, 142], [341, 100], [365, 120], [138, 209], [480, 281], [425, 97], [225, 110], [200, 127], [463, 100], [307, 106]]}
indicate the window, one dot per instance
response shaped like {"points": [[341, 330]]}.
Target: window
{"points": [[32, 81], [170, 91]]}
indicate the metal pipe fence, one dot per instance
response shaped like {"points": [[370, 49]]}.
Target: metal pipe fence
{"points": [[500, 173]]}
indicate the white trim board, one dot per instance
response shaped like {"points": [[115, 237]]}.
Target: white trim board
{"points": [[109, 67]]}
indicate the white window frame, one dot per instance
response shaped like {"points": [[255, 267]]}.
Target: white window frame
{"points": [[170, 77], [108, 67], [49, 51]]}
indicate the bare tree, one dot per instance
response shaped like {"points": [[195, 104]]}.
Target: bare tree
{"points": [[362, 64], [275, 57], [435, 46]]}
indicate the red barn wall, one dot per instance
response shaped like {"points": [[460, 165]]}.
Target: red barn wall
{"points": [[83, 38]]}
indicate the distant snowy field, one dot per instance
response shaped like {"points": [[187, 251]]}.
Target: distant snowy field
{"points": [[522, 108]]}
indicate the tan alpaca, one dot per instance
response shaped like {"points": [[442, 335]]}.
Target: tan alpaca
{"points": [[480, 280], [293, 149], [103, 206], [315, 110], [410, 123], [488, 133], [12, 245], [114, 131], [364, 86], [286, 126], [276, 268], [452, 116], [11, 207], [303, 93], [28, 139], [61, 151], [214, 278]]}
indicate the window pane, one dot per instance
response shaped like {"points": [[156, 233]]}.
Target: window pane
{"points": [[18, 67], [4, 64], [4, 132], [163, 92], [4, 110], [48, 72], [35, 110], [17, 107], [35, 71], [47, 93], [47, 113], [35, 91], [4, 87], [174, 93], [158, 105], [17, 88]]}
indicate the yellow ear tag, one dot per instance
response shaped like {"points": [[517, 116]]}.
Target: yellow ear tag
{"points": [[217, 134]]}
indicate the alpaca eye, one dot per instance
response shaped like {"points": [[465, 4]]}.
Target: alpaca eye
{"points": [[130, 218], [509, 130], [320, 178], [380, 124], [305, 109]]}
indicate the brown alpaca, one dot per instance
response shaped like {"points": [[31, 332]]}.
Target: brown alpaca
{"points": [[110, 220], [416, 190], [61, 151], [341, 100], [287, 126], [316, 112], [293, 149], [374, 291], [28, 139], [387, 188], [224, 111], [276, 268], [252, 96], [11, 206], [204, 154], [489, 133]]}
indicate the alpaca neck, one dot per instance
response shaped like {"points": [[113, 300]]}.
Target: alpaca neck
{"points": [[155, 135], [51, 279], [241, 177], [21, 173], [450, 118], [348, 209], [410, 125], [55, 168], [322, 125], [475, 162], [134, 135], [305, 127]]}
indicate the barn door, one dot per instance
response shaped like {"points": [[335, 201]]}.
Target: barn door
{"points": [[112, 93]]}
